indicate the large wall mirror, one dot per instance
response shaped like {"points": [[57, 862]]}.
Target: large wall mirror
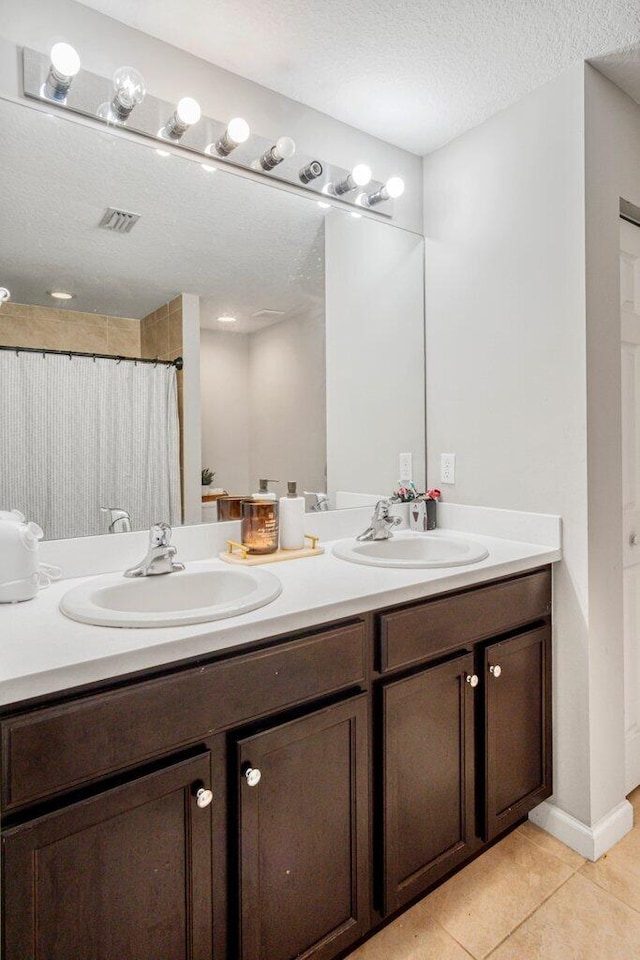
{"points": [[318, 377]]}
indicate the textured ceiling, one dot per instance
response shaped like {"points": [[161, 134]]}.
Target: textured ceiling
{"points": [[414, 72], [240, 245]]}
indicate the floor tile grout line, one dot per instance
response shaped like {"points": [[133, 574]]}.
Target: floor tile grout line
{"points": [[539, 846], [606, 890], [574, 871], [487, 956], [529, 916]]}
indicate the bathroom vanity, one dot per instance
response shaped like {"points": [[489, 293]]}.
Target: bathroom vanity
{"points": [[282, 796]]}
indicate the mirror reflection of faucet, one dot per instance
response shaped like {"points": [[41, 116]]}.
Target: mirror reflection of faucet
{"points": [[120, 519], [382, 523], [322, 501]]}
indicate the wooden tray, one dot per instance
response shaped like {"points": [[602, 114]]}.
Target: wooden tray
{"points": [[236, 553]]}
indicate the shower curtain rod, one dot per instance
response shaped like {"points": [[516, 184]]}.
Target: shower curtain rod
{"points": [[178, 363]]}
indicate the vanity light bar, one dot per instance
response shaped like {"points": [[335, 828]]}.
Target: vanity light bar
{"points": [[123, 100]]}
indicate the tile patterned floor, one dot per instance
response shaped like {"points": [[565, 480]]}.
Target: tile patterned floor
{"points": [[528, 898]]}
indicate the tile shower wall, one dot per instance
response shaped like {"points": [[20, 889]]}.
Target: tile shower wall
{"points": [[161, 338], [23, 325], [161, 331]]}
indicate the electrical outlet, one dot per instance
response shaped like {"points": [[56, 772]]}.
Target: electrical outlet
{"points": [[447, 468], [405, 467]]}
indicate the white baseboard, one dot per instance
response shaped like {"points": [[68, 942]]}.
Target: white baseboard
{"points": [[590, 842]]}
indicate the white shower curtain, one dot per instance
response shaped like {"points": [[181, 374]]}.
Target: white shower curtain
{"points": [[78, 434]]}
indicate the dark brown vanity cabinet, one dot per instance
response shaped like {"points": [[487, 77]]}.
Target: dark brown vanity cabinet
{"points": [[303, 837], [465, 731], [108, 877], [428, 777], [517, 727], [350, 769]]}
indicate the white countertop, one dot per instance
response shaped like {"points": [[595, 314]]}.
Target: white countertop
{"points": [[44, 652]]}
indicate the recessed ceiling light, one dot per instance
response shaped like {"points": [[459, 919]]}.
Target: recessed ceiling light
{"points": [[227, 319], [61, 295]]}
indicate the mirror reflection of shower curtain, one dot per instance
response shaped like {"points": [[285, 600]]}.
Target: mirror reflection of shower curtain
{"points": [[80, 434]]}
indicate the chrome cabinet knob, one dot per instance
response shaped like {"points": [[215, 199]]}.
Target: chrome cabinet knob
{"points": [[472, 680], [496, 671], [204, 797], [634, 540], [252, 776]]}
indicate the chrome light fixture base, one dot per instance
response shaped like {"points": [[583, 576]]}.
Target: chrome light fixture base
{"points": [[89, 92]]}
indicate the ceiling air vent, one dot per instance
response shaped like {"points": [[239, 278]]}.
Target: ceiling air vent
{"points": [[121, 221]]}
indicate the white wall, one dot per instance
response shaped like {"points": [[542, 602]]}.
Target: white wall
{"points": [[105, 44], [375, 354], [612, 172], [288, 402], [506, 360], [225, 393], [263, 404]]}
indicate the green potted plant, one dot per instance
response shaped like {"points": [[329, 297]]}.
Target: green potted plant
{"points": [[207, 476]]}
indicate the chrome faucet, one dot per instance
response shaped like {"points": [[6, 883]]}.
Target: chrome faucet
{"points": [[381, 524], [159, 558], [322, 501], [120, 519]]}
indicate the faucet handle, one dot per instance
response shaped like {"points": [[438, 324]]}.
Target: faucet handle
{"points": [[160, 534], [116, 513]]}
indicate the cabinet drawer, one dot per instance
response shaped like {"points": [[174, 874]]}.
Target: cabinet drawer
{"points": [[437, 626], [53, 749]]}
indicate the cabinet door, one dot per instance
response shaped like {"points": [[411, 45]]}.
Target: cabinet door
{"points": [[120, 876], [428, 777], [304, 877], [517, 682]]}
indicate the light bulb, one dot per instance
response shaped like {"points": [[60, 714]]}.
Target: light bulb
{"points": [[359, 177], [188, 111], [65, 60], [283, 149], [129, 91], [361, 174], [237, 132], [65, 63], [186, 114], [394, 187]]}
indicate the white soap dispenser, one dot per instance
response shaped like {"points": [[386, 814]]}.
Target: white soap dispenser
{"points": [[291, 519]]}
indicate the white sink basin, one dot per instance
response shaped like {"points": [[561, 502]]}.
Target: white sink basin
{"points": [[195, 595], [408, 549]]}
